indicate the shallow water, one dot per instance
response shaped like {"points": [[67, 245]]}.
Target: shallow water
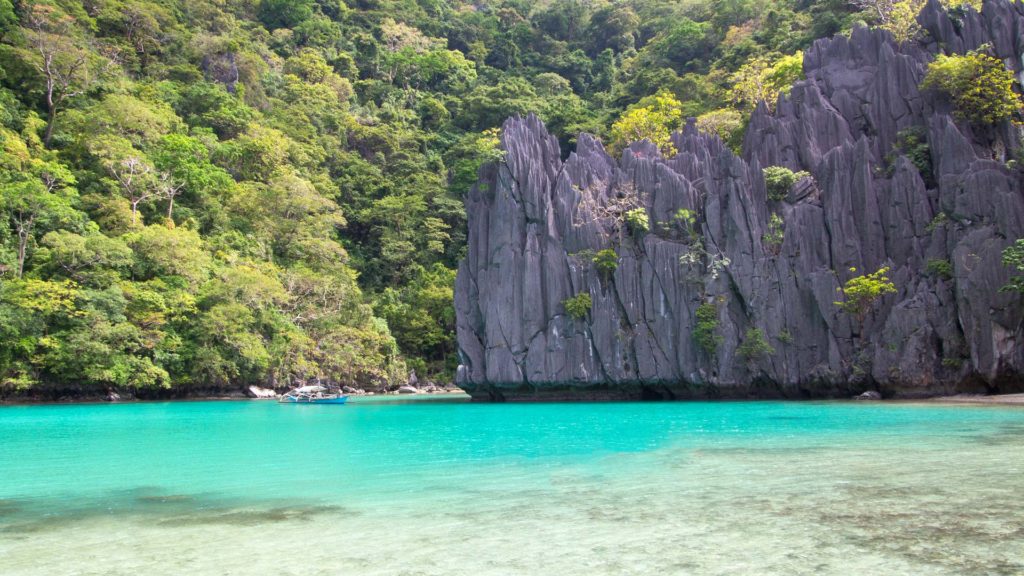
{"points": [[456, 488]]}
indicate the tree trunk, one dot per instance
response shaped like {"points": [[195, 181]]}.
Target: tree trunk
{"points": [[22, 249], [51, 122], [24, 234]]}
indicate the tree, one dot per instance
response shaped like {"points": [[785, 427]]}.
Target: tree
{"points": [[91, 259], [184, 170], [39, 202], [68, 68], [28, 307], [284, 13], [775, 234], [637, 221], [136, 179], [578, 306], [979, 85], [780, 180], [8, 18], [422, 318], [162, 251], [681, 45], [606, 262], [725, 123], [1013, 257], [613, 27], [763, 79], [861, 292], [168, 189], [755, 346], [652, 119], [705, 332], [899, 17]]}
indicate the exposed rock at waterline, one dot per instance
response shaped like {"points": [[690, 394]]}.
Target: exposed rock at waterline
{"points": [[261, 393], [535, 223]]}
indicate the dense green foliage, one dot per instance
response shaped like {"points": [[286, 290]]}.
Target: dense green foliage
{"points": [[652, 119], [1013, 257], [705, 332], [578, 306], [755, 346], [940, 268], [861, 292], [606, 262], [780, 180], [979, 85], [203, 194], [912, 143], [775, 235], [637, 221]]}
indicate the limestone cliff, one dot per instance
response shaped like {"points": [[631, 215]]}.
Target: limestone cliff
{"points": [[536, 222]]}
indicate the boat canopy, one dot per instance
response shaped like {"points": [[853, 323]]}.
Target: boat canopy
{"points": [[309, 389]]}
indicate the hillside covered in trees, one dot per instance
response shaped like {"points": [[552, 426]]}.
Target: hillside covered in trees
{"points": [[197, 195]]}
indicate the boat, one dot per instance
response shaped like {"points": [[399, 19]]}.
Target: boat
{"points": [[312, 395]]}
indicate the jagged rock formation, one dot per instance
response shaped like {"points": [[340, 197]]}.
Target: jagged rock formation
{"points": [[535, 223]]}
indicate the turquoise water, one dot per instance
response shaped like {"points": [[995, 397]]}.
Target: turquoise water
{"points": [[458, 488]]}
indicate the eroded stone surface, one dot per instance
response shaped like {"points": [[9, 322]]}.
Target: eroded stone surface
{"points": [[535, 223]]}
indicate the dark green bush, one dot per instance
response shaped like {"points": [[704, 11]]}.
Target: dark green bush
{"points": [[780, 180], [754, 345], [578, 306], [940, 268], [606, 262], [705, 334]]}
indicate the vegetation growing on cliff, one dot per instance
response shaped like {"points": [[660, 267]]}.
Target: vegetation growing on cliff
{"points": [[775, 235], [978, 84], [637, 221], [780, 180], [705, 332], [1014, 258], [755, 346], [578, 306], [606, 262], [861, 292]]}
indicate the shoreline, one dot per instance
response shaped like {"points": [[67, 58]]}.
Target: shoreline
{"points": [[91, 399], [1013, 400], [979, 399]]}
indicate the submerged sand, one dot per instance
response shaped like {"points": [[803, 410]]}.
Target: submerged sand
{"points": [[996, 399]]}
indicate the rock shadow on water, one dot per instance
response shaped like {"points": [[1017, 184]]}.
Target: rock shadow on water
{"points": [[255, 516], [8, 508], [153, 505], [1004, 435]]}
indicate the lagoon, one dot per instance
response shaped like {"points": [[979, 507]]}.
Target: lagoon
{"points": [[454, 487]]}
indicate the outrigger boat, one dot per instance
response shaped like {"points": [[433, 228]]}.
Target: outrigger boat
{"points": [[312, 395]]}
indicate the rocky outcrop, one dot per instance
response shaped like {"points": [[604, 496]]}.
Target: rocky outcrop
{"points": [[710, 270]]}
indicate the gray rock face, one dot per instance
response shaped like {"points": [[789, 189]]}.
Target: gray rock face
{"points": [[536, 222]]}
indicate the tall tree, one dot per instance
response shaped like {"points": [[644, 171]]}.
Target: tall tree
{"points": [[68, 68]]}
